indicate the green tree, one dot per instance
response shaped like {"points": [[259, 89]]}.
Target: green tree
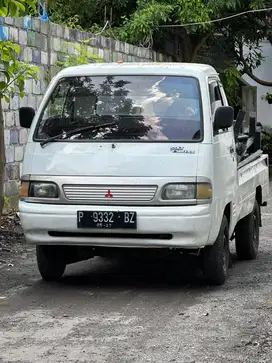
{"points": [[144, 25], [12, 75], [141, 22], [86, 14]]}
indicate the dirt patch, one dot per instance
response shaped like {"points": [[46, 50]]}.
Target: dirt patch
{"points": [[11, 237], [16, 257]]}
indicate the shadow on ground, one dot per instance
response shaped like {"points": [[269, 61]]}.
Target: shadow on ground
{"points": [[174, 272]]}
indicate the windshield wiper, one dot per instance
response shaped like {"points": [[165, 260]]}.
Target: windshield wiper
{"points": [[65, 135]]}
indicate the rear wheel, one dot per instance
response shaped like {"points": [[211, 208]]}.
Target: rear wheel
{"points": [[247, 234], [217, 257], [51, 262]]}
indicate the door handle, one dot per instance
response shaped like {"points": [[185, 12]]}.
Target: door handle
{"points": [[231, 149]]}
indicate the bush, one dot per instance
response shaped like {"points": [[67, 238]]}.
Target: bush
{"points": [[267, 140]]}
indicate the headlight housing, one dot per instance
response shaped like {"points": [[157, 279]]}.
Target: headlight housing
{"points": [[187, 191], [43, 190], [179, 191]]}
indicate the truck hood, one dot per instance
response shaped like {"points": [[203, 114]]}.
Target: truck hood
{"points": [[108, 159]]}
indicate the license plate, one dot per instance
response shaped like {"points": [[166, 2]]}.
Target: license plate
{"points": [[110, 220]]}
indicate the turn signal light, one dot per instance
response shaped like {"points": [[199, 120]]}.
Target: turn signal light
{"points": [[203, 191], [24, 188]]}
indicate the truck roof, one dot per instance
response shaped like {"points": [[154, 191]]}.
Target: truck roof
{"points": [[150, 68]]}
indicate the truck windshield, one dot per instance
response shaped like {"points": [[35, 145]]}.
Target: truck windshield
{"points": [[147, 108]]}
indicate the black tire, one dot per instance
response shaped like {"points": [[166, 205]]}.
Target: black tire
{"points": [[247, 233], [51, 262], [217, 257]]}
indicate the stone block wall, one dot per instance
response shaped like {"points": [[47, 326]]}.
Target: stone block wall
{"points": [[43, 43]]}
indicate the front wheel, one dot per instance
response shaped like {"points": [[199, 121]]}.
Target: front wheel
{"points": [[217, 257], [247, 234], [51, 262]]}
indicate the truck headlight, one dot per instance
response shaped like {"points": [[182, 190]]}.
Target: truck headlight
{"points": [[185, 191], [43, 190], [179, 191]]}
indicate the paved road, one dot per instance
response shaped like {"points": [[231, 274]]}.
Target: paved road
{"points": [[135, 312]]}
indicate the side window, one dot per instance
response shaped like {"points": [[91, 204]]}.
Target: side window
{"points": [[216, 98], [212, 96], [222, 91]]}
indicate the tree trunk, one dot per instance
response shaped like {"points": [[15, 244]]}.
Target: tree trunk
{"points": [[2, 160], [198, 45], [262, 82], [247, 70], [186, 48], [191, 47]]}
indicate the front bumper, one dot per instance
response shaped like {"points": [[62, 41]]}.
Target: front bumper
{"points": [[188, 226]]}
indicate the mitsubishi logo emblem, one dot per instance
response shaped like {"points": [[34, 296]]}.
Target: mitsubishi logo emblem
{"points": [[108, 194]]}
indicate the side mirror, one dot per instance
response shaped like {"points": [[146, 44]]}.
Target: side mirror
{"points": [[26, 115], [224, 118]]}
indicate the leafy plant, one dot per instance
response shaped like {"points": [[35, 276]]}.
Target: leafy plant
{"points": [[108, 31], [267, 139], [13, 74], [268, 97], [6, 202], [230, 78], [90, 12], [15, 7], [141, 22], [72, 22], [267, 143], [81, 55]]}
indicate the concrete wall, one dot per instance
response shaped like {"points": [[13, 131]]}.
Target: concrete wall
{"points": [[42, 43]]}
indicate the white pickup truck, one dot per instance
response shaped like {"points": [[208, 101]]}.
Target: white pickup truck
{"points": [[135, 156]]}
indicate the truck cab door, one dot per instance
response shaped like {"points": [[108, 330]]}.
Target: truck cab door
{"points": [[224, 154]]}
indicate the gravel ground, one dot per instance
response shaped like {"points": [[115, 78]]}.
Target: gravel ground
{"points": [[112, 311]]}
